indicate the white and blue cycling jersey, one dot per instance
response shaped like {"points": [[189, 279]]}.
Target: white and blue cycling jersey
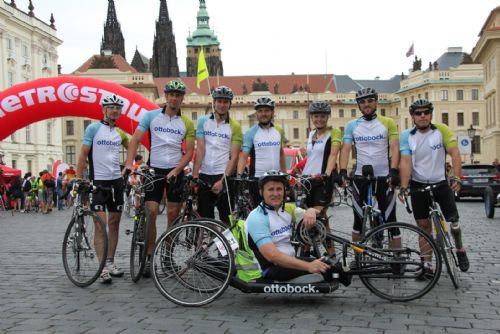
{"points": [[372, 140], [318, 151], [428, 152], [104, 155], [267, 225], [165, 137], [264, 146], [219, 138]]}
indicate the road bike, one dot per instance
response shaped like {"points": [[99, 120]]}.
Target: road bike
{"points": [[85, 243]]}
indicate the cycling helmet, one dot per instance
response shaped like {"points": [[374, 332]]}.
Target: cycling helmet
{"points": [[112, 100], [421, 103], [175, 86], [366, 93], [320, 107], [273, 175], [223, 92], [264, 102]]}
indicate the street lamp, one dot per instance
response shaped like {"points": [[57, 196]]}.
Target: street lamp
{"points": [[471, 132]]}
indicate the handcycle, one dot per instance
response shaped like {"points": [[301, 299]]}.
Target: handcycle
{"points": [[443, 238], [83, 254], [194, 272]]}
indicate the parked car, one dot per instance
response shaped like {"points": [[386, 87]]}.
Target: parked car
{"points": [[476, 178]]}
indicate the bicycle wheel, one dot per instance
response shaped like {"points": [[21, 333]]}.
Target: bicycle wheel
{"points": [[128, 205], [192, 272], [139, 245], [185, 217], [80, 249], [396, 270], [446, 249]]}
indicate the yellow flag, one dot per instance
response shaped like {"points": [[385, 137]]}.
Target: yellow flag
{"points": [[202, 69]]}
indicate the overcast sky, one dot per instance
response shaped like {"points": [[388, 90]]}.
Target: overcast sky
{"points": [[360, 38]]}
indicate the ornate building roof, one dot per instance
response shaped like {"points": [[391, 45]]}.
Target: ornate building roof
{"points": [[202, 36]]}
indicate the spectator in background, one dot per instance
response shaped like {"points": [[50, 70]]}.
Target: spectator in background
{"points": [[1, 159], [59, 191], [26, 187], [497, 165], [49, 185], [16, 191]]}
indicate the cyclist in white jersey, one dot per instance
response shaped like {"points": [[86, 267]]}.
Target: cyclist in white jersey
{"points": [[263, 143], [101, 145], [167, 129], [218, 143], [377, 152], [423, 161]]}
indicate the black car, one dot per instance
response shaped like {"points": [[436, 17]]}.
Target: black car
{"points": [[475, 178]]}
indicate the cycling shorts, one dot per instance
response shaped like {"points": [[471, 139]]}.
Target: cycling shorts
{"points": [[174, 191], [111, 200]]}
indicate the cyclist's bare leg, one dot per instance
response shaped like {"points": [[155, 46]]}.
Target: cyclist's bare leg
{"points": [[152, 207], [425, 224], [113, 229], [98, 240], [173, 210]]}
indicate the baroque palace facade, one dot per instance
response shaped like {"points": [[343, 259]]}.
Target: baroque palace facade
{"points": [[28, 51]]}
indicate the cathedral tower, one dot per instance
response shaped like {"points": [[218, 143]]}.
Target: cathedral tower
{"points": [[112, 38]]}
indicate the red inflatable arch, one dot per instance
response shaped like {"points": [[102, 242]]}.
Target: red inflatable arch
{"points": [[40, 99]]}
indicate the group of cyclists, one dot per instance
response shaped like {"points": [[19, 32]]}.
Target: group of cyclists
{"points": [[415, 157]]}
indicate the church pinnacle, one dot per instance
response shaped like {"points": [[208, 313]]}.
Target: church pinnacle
{"points": [[112, 38], [164, 60]]}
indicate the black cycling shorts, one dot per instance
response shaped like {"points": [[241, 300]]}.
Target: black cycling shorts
{"points": [[443, 195], [174, 191], [320, 194], [112, 200]]}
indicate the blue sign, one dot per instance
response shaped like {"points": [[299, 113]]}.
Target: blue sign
{"points": [[464, 142]]}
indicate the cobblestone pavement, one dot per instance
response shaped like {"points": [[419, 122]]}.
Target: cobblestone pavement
{"points": [[37, 297]]}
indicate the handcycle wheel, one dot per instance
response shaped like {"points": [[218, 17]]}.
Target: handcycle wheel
{"points": [[80, 249], [489, 202], [395, 270], [139, 245], [446, 250], [192, 271]]}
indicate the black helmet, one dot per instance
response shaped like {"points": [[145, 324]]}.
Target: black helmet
{"points": [[264, 102], [175, 86], [366, 93], [421, 103], [320, 107], [273, 175], [112, 100], [223, 92]]}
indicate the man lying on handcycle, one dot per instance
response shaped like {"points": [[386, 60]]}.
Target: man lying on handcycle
{"points": [[270, 228]]}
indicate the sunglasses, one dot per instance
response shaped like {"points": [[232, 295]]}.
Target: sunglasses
{"points": [[419, 113], [367, 100]]}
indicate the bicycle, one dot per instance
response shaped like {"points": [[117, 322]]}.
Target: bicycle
{"points": [[443, 238], [195, 272], [32, 198], [342, 196], [84, 258]]}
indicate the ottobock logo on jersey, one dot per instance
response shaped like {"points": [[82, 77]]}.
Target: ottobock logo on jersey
{"points": [[369, 138], [269, 143], [436, 147], [282, 230], [278, 288], [109, 142], [215, 134], [167, 130]]}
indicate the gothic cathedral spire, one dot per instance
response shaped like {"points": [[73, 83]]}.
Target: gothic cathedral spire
{"points": [[164, 61], [112, 38]]}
